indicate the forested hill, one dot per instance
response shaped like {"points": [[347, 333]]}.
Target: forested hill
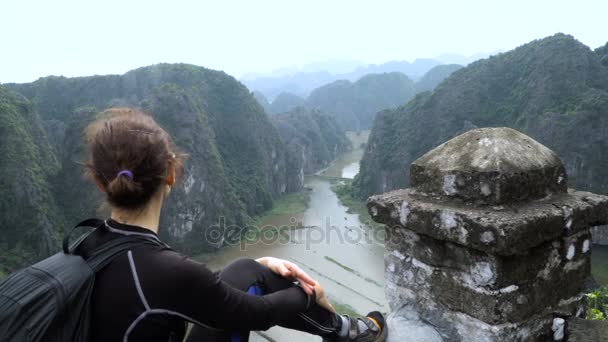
{"points": [[237, 161], [554, 89], [354, 104], [433, 77], [285, 102]]}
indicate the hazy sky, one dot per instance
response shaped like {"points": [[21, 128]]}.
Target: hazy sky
{"points": [[81, 37]]}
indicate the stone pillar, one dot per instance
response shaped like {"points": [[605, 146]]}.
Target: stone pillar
{"points": [[488, 244]]}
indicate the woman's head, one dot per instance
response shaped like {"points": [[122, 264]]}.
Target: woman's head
{"points": [[131, 157]]}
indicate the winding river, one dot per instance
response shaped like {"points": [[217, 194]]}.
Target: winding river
{"points": [[334, 248]]}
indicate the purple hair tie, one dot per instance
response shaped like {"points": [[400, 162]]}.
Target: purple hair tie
{"points": [[126, 173]]}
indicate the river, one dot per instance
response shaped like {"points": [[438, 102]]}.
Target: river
{"points": [[345, 256]]}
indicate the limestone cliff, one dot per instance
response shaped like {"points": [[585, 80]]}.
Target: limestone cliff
{"points": [[554, 89], [236, 164], [312, 140], [28, 211], [354, 104]]}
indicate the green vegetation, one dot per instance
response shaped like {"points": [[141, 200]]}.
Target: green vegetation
{"points": [[554, 89], [290, 204], [348, 197], [237, 165], [597, 304], [30, 219], [236, 158]]}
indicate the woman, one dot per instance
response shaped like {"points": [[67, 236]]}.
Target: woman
{"points": [[150, 292]]}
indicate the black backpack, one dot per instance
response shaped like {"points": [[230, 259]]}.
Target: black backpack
{"points": [[50, 301]]}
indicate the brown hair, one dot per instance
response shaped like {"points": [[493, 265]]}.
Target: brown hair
{"points": [[125, 139]]}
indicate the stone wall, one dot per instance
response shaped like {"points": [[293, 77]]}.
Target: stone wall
{"points": [[489, 244]]}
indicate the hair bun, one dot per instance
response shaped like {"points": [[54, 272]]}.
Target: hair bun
{"points": [[124, 190], [131, 156]]}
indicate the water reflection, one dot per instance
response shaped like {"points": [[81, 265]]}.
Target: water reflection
{"points": [[350, 170]]}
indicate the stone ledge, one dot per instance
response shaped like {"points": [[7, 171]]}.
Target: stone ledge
{"points": [[455, 326], [490, 165], [503, 230], [459, 291]]}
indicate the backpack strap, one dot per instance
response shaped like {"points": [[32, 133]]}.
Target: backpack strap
{"points": [[92, 222], [104, 254]]}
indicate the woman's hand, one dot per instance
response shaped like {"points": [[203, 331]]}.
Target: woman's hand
{"points": [[322, 299], [288, 269]]}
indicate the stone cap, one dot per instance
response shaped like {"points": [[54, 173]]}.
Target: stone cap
{"points": [[502, 230], [490, 166]]}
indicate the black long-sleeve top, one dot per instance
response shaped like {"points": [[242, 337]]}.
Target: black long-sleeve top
{"points": [[148, 294]]}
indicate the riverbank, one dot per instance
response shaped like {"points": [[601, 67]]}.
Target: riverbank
{"points": [[325, 236], [291, 204], [344, 191], [347, 165]]}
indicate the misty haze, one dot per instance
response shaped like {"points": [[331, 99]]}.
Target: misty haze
{"points": [[304, 171]]}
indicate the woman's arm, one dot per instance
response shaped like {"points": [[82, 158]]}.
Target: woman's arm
{"points": [[194, 291]]}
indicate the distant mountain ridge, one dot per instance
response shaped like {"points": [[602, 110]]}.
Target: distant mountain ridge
{"points": [[302, 81], [354, 104], [554, 89]]}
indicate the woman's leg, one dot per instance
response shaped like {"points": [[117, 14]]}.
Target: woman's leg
{"points": [[246, 274]]}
